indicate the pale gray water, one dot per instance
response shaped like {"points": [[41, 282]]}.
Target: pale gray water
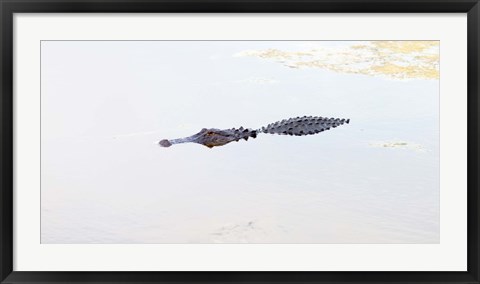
{"points": [[105, 105]]}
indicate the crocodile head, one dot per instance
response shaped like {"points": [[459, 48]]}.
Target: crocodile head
{"points": [[213, 137]]}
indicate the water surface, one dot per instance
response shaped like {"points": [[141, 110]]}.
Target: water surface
{"points": [[105, 105]]}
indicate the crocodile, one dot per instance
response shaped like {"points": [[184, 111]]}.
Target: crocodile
{"points": [[298, 126]]}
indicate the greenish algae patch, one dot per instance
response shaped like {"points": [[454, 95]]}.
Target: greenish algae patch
{"points": [[401, 60]]}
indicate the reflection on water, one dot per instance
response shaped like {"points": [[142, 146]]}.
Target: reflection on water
{"points": [[106, 180]]}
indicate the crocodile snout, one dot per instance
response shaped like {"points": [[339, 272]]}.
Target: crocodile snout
{"points": [[165, 143]]}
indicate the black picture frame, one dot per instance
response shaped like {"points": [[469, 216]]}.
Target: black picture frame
{"points": [[9, 7]]}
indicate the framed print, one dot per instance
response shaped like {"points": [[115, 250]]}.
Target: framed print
{"points": [[267, 141]]}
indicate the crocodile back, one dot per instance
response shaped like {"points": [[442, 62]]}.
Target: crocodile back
{"points": [[300, 126], [242, 133]]}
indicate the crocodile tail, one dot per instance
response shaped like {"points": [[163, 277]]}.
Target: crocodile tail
{"points": [[301, 126]]}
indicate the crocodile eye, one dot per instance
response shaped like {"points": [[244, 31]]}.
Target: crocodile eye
{"points": [[209, 133]]}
